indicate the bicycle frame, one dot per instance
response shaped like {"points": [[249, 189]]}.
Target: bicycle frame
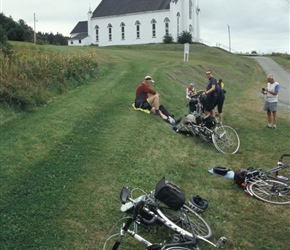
{"points": [[190, 239]]}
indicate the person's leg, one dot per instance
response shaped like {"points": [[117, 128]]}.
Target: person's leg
{"points": [[269, 118], [154, 101]]}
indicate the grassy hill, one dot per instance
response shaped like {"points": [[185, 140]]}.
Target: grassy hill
{"points": [[62, 167]]}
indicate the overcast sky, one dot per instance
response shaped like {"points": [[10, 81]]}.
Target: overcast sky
{"points": [[246, 25]]}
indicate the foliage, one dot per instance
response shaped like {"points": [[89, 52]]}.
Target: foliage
{"points": [[168, 39], [185, 37], [29, 77], [62, 167], [20, 31]]}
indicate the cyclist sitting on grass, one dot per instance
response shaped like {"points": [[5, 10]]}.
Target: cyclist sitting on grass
{"points": [[143, 101]]}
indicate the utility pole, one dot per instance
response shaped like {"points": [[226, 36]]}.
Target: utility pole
{"points": [[34, 29], [229, 31]]}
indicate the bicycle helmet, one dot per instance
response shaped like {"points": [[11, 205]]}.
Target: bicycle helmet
{"points": [[198, 204], [220, 170]]}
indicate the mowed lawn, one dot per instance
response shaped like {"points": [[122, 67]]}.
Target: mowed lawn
{"points": [[63, 166]]}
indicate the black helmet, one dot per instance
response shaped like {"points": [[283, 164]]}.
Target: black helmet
{"points": [[198, 204], [220, 170]]}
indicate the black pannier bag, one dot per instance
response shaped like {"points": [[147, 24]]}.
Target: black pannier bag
{"points": [[170, 194]]}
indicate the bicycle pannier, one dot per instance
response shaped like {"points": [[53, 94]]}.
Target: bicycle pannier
{"points": [[243, 175], [170, 194]]}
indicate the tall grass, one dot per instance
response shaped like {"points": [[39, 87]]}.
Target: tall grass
{"points": [[62, 167], [31, 77]]}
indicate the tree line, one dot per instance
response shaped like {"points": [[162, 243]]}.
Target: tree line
{"points": [[20, 31]]}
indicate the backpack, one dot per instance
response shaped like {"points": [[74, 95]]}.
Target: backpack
{"points": [[242, 176], [170, 194]]}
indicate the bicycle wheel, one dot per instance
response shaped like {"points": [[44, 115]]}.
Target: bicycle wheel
{"points": [[127, 241], [226, 140], [178, 248], [195, 222], [271, 191]]}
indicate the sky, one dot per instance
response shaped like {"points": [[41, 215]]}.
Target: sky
{"points": [[242, 25]]}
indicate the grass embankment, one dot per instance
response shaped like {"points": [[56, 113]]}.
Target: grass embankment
{"points": [[62, 167]]}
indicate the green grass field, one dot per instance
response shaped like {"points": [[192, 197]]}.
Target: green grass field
{"points": [[63, 166]]}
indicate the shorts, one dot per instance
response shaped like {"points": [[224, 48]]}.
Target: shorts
{"points": [[210, 103], [143, 105], [270, 106]]}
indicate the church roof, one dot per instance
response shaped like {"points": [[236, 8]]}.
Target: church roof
{"points": [[81, 26], [121, 7], [80, 36]]}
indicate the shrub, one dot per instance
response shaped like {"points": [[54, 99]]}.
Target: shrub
{"points": [[168, 39], [185, 37]]}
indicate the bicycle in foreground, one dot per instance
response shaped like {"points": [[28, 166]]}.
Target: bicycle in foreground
{"points": [[188, 227], [225, 139], [272, 186]]}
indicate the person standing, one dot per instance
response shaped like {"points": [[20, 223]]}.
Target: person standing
{"points": [[211, 92], [220, 103], [222, 85], [271, 102]]}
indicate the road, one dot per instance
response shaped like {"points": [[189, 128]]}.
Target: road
{"points": [[280, 75]]}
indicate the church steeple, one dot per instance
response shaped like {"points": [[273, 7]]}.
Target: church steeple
{"points": [[90, 14]]}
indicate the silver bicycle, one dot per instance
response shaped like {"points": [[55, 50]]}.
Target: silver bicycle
{"points": [[144, 211], [272, 186]]}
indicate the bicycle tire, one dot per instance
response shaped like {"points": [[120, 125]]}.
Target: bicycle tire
{"points": [[271, 191], [198, 224], [226, 140]]}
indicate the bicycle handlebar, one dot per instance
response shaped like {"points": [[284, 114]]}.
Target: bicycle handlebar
{"points": [[281, 157]]}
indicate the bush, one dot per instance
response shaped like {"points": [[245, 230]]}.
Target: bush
{"points": [[168, 39], [185, 37]]}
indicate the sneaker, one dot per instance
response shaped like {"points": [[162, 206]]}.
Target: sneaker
{"points": [[274, 127], [269, 127]]}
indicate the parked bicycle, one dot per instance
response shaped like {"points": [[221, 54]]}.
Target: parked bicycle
{"points": [[225, 138], [188, 227], [272, 186]]}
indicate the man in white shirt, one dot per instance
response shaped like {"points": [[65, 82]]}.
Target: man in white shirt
{"points": [[271, 102]]}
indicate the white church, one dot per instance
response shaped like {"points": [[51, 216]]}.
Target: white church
{"points": [[127, 22]]}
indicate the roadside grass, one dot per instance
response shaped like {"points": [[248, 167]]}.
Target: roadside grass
{"points": [[62, 167]]}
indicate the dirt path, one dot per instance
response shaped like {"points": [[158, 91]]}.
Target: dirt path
{"points": [[281, 76]]}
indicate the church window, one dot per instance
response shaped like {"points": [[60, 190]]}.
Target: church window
{"points": [[190, 9], [110, 31], [166, 21], [97, 33], [137, 23], [122, 31], [153, 22]]}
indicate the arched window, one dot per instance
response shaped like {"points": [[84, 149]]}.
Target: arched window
{"points": [[178, 18], [122, 25], [110, 31], [153, 22], [137, 23], [190, 9], [166, 21], [97, 33], [190, 29]]}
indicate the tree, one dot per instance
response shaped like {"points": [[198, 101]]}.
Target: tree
{"points": [[3, 37]]}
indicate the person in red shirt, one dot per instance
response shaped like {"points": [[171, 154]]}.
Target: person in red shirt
{"points": [[144, 101]]}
